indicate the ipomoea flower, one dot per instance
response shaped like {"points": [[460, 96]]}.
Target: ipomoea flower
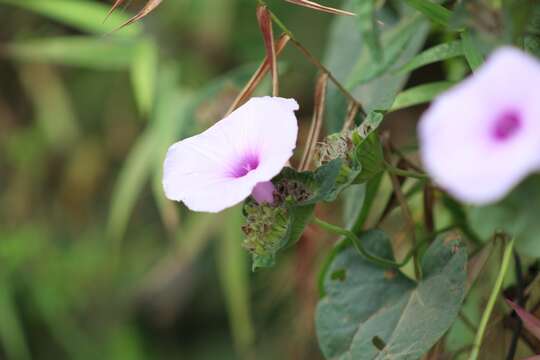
{"points": [[236, 157], [481, 138]]}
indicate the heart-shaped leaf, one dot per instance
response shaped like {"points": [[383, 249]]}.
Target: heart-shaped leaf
{"points": [[374, 313]]}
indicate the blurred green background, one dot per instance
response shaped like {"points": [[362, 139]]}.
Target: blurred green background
{"points": [[94, 262]]}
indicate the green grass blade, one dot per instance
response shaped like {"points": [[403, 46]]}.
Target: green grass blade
{"points": [[435, 12], [434, 54], [53, 109], [420, 94], [87, 16], [82, 51], [367, 22], [233, 271], [143, 75]]}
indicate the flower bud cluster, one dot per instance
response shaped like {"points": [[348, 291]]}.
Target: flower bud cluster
{"points": [[334, 146], [266, 224], [264, 228]]}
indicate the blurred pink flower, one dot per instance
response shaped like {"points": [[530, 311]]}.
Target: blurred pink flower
{"points": [[481, 138], [236, 157]]}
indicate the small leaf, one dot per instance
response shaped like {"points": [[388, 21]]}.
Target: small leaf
{"points": [[435, 12], [434, 54], [408, 317], [420, 94], [531, 323], [369, 154], [316, 6], [333, 178]]}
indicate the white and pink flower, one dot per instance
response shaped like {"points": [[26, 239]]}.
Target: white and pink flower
{"points": [[236, 157], [481, 138]]}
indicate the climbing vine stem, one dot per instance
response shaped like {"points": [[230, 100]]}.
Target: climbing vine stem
{"points": [[357, 243]]}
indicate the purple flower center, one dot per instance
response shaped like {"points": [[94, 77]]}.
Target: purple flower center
{"points": [[506, 125], [248, 163]]}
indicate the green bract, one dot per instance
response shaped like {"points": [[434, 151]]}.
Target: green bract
{"points": [[344, 159]]}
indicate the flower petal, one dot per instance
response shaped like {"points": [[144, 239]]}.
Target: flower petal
{"points": [[201, 170], [456, 133]]}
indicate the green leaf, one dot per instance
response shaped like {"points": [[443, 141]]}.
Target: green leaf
{"points": [[367, 22], [364, 302], [87, 16], [346, 51], [269, 229], [420, 94], [280, 227], [83, 51], [470, 49], [372, 188], [353, 203], [394, 43], [435, 12], [332, 178], [517, 215], [358, 201], [370, 155], [434, 54]]}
